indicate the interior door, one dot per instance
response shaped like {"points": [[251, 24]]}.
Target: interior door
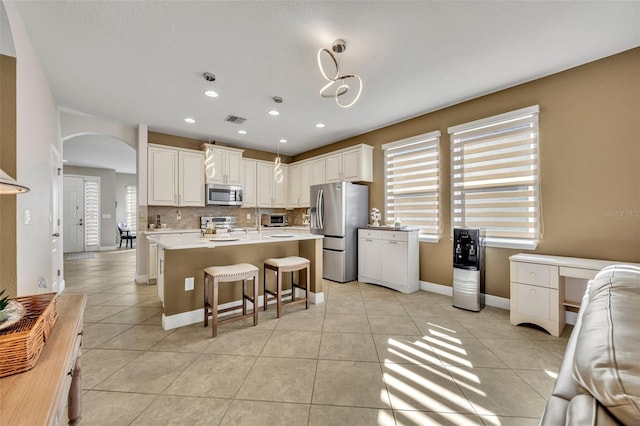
{"points": [[73, 216], [55, 243]]}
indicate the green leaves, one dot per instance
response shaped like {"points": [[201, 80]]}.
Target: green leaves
{"points": [[4, 301]]}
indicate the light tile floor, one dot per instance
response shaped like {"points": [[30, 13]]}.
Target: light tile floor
{"points": [[366, 356]]}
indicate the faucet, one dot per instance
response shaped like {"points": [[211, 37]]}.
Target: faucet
{"points": [[258, 221]]}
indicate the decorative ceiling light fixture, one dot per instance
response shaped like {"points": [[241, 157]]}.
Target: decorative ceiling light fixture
{"points": [[278, 174], [8, 185], [209, 161], [338, 84]]}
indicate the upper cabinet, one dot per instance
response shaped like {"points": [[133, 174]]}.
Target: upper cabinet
{"points": [[190, 178], [299, 184], [224, 165], [270, 192], [175, 177], [302, 176], [249, 189], [354, 164]]}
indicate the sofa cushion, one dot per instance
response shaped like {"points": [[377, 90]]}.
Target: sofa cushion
{"points": [[608, 346], [584, 410]]}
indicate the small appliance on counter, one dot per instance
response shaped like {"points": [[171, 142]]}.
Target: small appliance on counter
{"points": [[275, 219], [468, 268]]}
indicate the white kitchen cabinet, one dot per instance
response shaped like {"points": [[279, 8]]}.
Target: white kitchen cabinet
{"points": [[353, 164], [160, 275], [175, 177], [299, 184], [249, 188], [270, 192], [162, 176], [226, 162], [190, 179], [152, 272], [302, 176], [389, 258], [317, 172]]}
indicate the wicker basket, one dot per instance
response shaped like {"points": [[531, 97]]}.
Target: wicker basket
{"points": [[22, 343]]}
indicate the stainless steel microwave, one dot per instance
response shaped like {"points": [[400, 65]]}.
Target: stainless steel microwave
{"points": [[223, 195], [275, 219]]}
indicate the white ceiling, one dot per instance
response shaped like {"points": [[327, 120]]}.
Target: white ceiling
{"points": [[101, 152], [142, 61]]}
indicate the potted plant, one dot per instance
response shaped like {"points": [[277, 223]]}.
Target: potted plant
{"points": [[10, 311]]}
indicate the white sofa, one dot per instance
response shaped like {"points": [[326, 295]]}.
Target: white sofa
{"points": [[599, 379]]}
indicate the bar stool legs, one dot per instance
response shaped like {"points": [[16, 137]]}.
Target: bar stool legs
{"points": [[280, 266], [227, 274]]}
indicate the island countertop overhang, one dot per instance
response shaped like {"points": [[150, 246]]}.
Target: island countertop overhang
{"points": [[190, 241]]}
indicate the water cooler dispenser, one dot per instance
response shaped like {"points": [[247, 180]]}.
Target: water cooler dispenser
{"points": [[468, 268]]}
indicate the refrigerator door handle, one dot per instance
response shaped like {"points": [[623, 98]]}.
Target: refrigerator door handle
{"points": [[321, 208]]}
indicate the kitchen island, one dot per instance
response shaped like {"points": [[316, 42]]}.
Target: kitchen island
{"points": [[183, 257]]}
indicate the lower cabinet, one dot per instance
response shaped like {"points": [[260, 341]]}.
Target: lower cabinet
{"points": [[153, 262], [389, 258]]}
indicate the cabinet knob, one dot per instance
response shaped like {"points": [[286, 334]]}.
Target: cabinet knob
{"points": [[532, 274]]}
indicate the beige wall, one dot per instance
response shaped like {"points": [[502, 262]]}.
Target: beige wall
{"points": [[8, 265], [590, 164]]}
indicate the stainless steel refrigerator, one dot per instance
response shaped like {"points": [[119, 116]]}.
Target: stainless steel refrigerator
{"points": [[337, 211]]}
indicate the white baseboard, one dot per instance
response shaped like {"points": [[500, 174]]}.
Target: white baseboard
{"points": [[436, 288], [489, 300], [192, 317], [107, 248], [316, 298]]}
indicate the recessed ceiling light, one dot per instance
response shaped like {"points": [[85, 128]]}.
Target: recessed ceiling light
{"points": [[242, 132], [189, 120], [320, 125], [283, 141], [211, 93], [274, 112]]}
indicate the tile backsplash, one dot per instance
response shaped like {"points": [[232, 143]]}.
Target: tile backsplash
{"points": [[190, 216]]}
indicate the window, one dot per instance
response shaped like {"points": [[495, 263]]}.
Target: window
{"points": [[91, 213], [412, 183], [131, 207], [495, 177]]}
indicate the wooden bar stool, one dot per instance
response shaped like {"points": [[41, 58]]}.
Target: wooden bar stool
{"points": [[281, 265], [226, 274]]}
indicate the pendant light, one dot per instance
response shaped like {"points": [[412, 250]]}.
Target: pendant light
{"points": [[9, 186]]}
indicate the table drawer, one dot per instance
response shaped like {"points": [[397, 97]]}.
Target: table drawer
{"points": [[532, 300], [394, 236], [533, 273], [368, 233]]}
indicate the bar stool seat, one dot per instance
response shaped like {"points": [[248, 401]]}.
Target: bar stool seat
{"points": [[280, 266], [227, 274]]}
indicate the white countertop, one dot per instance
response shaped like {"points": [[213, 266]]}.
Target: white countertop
{"points": [[174, 241], [170, 231]]}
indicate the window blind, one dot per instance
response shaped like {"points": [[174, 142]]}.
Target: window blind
{"points": [[412, 183], [91, 214], [495, 177], [131, 207]]}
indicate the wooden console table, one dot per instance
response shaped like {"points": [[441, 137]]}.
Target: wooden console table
{"points": [[542, 287], [39, 396]]}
